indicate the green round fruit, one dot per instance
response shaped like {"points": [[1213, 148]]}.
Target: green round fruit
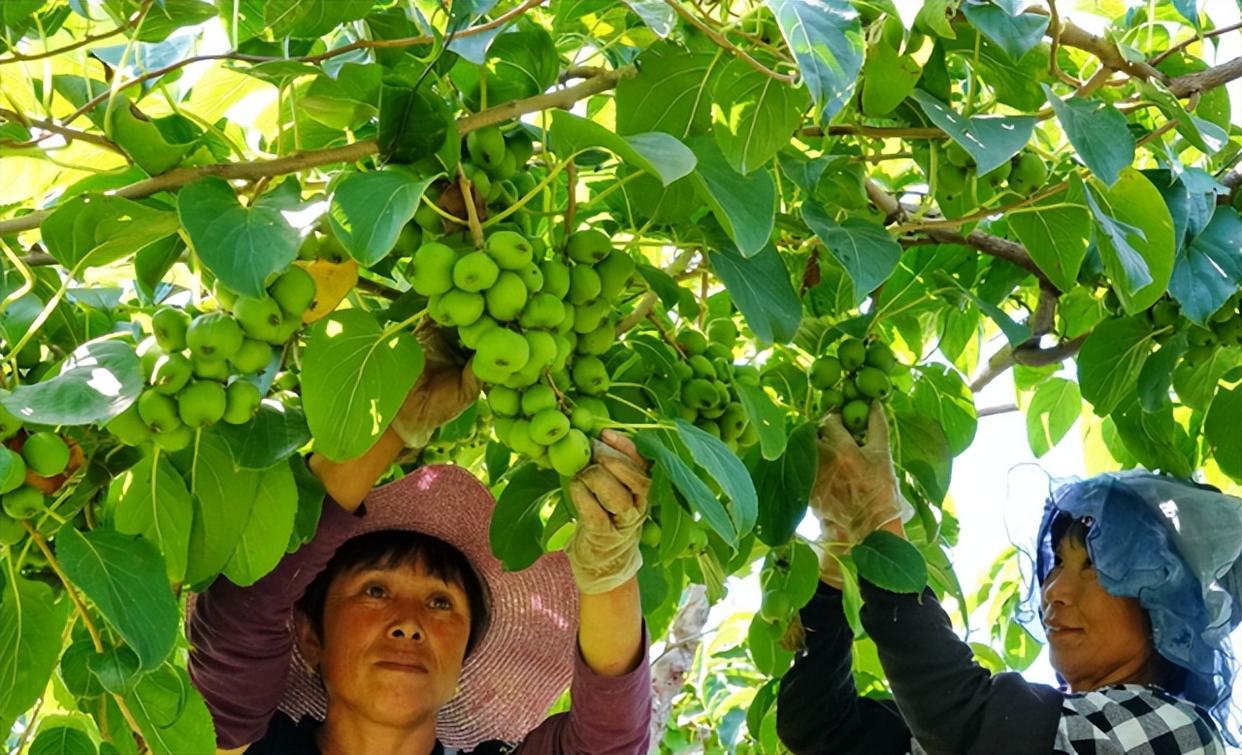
{"points": [[733, 421], [475, 272], [128, 427], [11, 530], [590, 316], [470, 334], [692, 341], [830, 399], [171, 373], [210, 369], [584, 284], [1029, 173], [9, 424], [457, 308], [651, 534], [506, 402], [598, 341], [825, 372], [214, 335], [174, 440], [509, 250], [532, 277], [590, 375], [158, 411], [46, 453], [253, 356], [506, 298], [698, 394], [852, 352], [169, 326], [12, 470], [502, 350], [880, 356], [543, 348], [589, 246], [1163, 313], [722, 331], [615, 271], [872, 382], [536, 399], [241, 401], [849, 390], [543, 310], [548, 426], [958, 156], [433, 268], [854, 415], [201, 404], [951, 178], [486, 146], [702, 367], [570, 454], [24, 503], [999, 174], [294, 290]]}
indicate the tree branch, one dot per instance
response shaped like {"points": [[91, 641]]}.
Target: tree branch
{"points": [[1196, 38], [1192, 83], [1031, 356], [254, 170], [56, 128], [878, 132], [84, 41], [724, 42]]}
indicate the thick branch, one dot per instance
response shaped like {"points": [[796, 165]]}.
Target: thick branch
{"points": [[1031, 356], [179, 177], [1002, 248], [1191, 83], [1072, 35]]}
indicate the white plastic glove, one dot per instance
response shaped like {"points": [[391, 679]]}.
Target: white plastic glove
{"points": [[855, 491], [610, 496], [445, 389]]}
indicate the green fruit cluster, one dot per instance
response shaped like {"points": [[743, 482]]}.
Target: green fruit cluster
{"points": [[538, 325], [858, 373], [956, 175], [198, 367], [42, 453], [1224, 328]]}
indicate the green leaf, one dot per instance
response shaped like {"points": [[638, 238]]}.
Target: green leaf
{"points": [[1134, 233], [274, 434], [940, 393], [890, 563], [243, 246], [753, 115], [151, 500], [349, 349], [223, 497], [1003, 22], [347, 100], [143, 140], [516, 530], [1156, 377], [31, 625], [864, 249], [412, 124], [62, 740], [671, 93], [767, 418], [1098, 132], [1206, 136], [1054, 408], [888, 78], [1152, 438], [990, 140], [171, 713], [266, 535], [1196, 384], [368, 210], [656, 15], [761, 290], [1221, 431], [659, 154], [727, 470], [519, 64], [91, 230], [921, 448], [694, 490], [116, 669], [826, 39], [1110, 361], [745, 206], [98, 381], [763, 640], [306, 19], [1208, 270], [125, 578], [784, 485], [1055, 230]]}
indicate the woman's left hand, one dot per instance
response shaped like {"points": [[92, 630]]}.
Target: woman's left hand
{"points": [[445, 389], [610, 496]]}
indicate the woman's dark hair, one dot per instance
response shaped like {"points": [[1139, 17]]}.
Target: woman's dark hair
{"points": [[392, 549], [1169, 676]]}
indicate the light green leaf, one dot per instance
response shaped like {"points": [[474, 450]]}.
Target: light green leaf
{"points": [[766, 417], [761, 290], [1110, 361], [62, 740], [728, 472], [223, 497], [125, 578], [98, 381], [266, 535], [171, 713], [1221, 430], [694, 490], [519, 64], [305, 19], [659, 154], [243, 246], [825, 37], [1206, 136], [888, 78], [1098, 132], [940, 393], [151, 500], [1055, 230], [1134, 232], [1003, 22], [865, 250], [91, 230], [784, 485], [990, 140], [354, 378], [890, 563], [745, 206], [671, 93], [753, 115], [1054, 408], [31, 625], [368, 210]]}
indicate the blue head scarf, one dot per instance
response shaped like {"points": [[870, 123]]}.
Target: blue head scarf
{"points": [[1175, 546]]}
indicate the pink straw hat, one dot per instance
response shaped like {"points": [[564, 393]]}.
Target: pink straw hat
{"points": [[526, 659]]}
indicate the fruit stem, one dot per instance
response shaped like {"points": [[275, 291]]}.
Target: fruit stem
{"points": [[472, 214], [571, 197], [553, 172], [442, 213], [399, 326]]}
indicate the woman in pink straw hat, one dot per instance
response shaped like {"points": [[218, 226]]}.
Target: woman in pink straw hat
{"points": [[395, 630]]}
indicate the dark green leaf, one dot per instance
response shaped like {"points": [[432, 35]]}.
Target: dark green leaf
{"points": [[728, 472], [31, 625], [826, 39], [865, 250], [1156, 377], [1196, 384], [890, 563], [1152, 437], [990, 140], [655, 14], [311, 18], [412, 124], [941, 394], [266, 534], [62, 740], [1221, 430], [671, 92], [100, 380], [274, 434], [1055, 231], [662, 283], [1098, 132], [1110, 361], [753, 115], [694, 490], [1003, 22], [1208, 270], [91, 230], [116, 668], [766, 417], [1054, 408], [657, 153], [921, 448], [784, 486], [745, 206], [171, 713], [349, 348], [369, 210], [1134, 233], [150, 499], [243, 246], [763, 640], [516, 530], [223, 498], [125, 578], [761, 290], [519, 64]]}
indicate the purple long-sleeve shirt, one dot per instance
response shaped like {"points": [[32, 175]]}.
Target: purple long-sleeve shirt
{"points": [[241, 650]]}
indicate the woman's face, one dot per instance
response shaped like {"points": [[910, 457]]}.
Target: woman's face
{"points": [[393, 644], [1094, 638]]}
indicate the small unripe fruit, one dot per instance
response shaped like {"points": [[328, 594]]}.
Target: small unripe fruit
{"points": [[854, 415], [171, 373], [584, 284], [9, 424], [536, 399], [589, 246], [544, 310], [169, 326], [570, 454], [692, 341], [722, 331], [532, 276], [128, 427], [24, 503], [543, 348], [433, 268], [502, 350], [475, 272], [825, 372], [241, 401], [174, 440], [880, 356], [46, 454], [555, 278], [651, 534], [509, 249], [506, 298], [548, 426], [158, 411], [852, 352], [294, 291], [590, 375], [14, 468], [253, 356], [775, 607], [201, 404], [505, 402], [214, 335], [614, 271], [210, 369], [456, 308]]}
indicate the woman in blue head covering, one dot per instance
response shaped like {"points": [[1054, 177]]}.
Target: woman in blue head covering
{"points": [[1139, 589]]}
